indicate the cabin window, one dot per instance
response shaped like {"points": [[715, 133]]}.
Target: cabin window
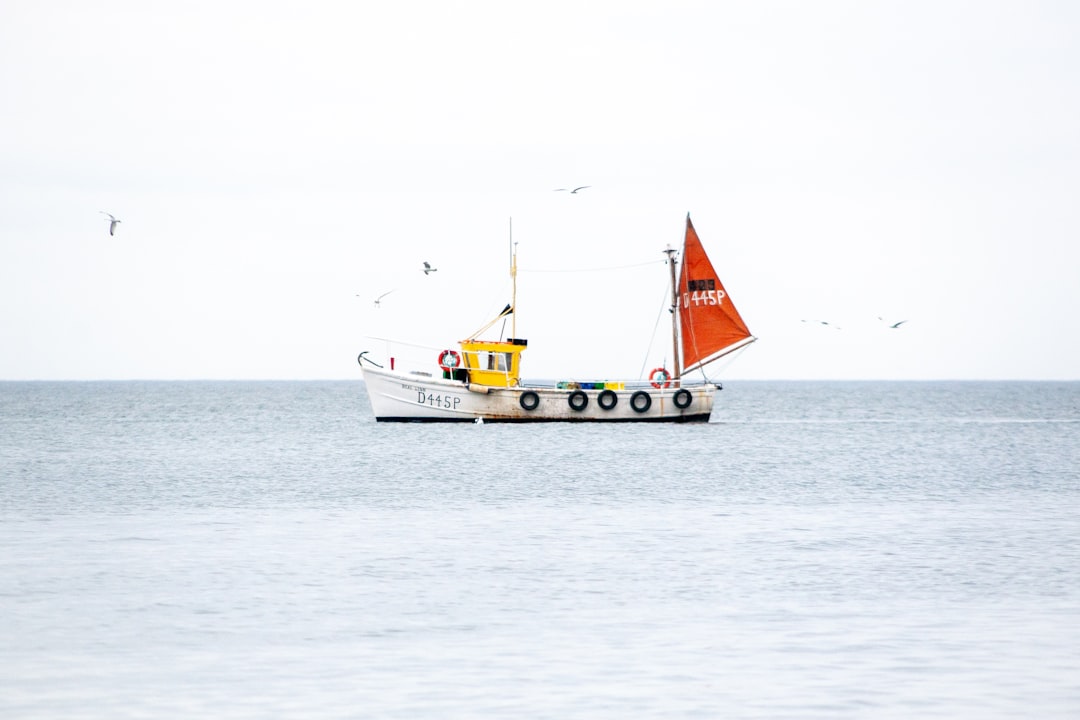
{"points": [[495, 361]]}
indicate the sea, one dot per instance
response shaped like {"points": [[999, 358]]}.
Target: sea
{"points": [[267, 550]]}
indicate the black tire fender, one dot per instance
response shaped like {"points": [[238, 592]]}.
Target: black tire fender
{"points": [[640, 401], [529, 401], [607, 399]]}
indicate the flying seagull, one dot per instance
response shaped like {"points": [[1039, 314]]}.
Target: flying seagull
{"points": [[893, 326], [113, 222], [381, 297], [824, 322], [574, 191], [428, 269]]}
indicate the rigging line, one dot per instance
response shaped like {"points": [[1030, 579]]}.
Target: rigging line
{"points": [[729, 359], [401, 342], [597, 269], [693, 337], [663, 305], [701, 369]]}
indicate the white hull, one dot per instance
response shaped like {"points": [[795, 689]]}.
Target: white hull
{"points": [[401, 397]]}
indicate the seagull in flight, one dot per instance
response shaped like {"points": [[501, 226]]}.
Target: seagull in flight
{"points": [[825, 323], [381, 297], [428, 269], [893, 326], [113, 222], [574, 191]]}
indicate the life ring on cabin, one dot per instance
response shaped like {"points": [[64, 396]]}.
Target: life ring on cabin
{"points": [[449, 360], [607, 399], [529, 400], [640, 401], [578, 400], [660, 378], [682, 398]]}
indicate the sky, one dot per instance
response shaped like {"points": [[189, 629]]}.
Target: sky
{"points": [[277, 166]]}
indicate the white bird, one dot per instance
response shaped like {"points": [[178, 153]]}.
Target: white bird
{"points": [[824, 322], [893, 326], [113, 222], [382, 296], [428, 269], [574, 191]]}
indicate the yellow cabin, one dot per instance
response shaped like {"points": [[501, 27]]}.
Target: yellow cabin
{"points": [[491, 363]]}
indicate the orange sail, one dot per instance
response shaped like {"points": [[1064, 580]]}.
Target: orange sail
{"points": [[709, 324]]}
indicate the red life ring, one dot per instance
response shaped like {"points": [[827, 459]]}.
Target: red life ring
{"points": [[449, 360], [660, 378]]}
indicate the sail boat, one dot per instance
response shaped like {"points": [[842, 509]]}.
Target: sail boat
{"points": [[481, 381]]}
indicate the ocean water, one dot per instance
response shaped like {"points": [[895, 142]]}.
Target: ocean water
{"points": [[819, 550]]}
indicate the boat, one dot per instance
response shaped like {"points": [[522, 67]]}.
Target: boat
{"points": [[481, 380]]}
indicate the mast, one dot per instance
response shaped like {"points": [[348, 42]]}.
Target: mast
{"points": [[670, 252], [513, 276]]}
